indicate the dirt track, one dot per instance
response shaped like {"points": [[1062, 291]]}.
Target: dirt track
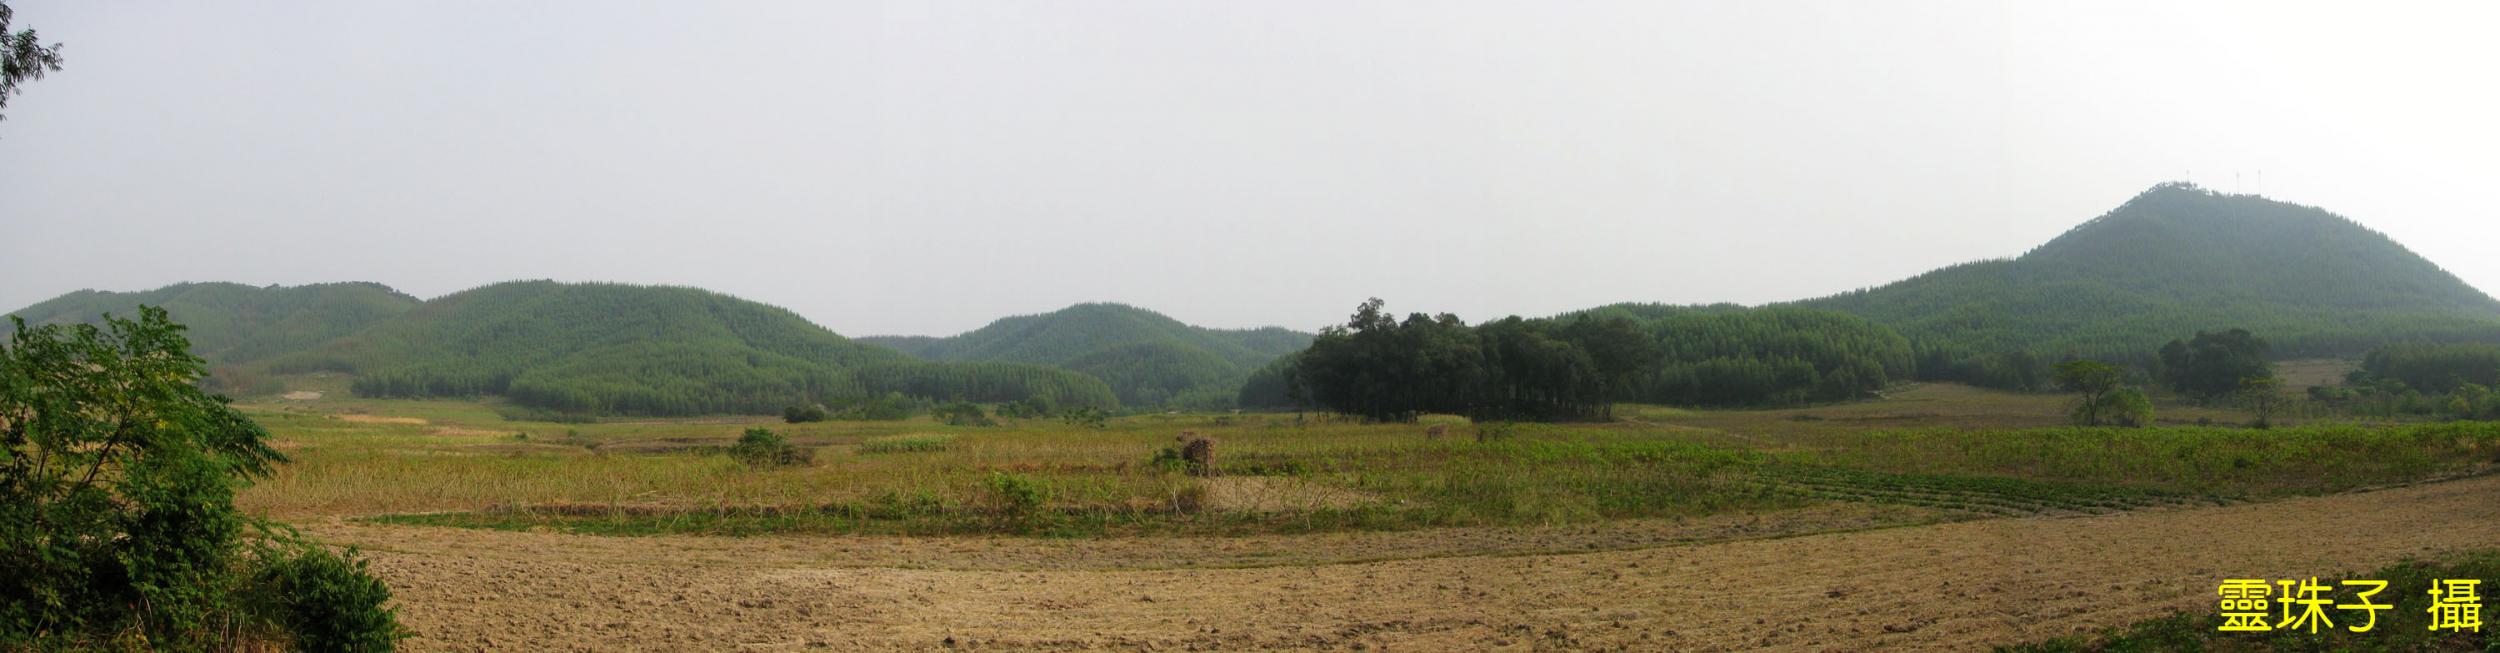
{"points": [[1952, 586]]}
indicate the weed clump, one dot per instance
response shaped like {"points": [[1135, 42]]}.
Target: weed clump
{"points": [[760, 447]]}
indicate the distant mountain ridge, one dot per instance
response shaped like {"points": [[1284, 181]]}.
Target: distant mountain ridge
{"points": [[232, 323], [2177, 259], [603, 348], [2174, 260], [1149, 358]]}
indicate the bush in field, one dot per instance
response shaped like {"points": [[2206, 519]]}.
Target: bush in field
{"points": [[1086, 416], [1014, 500], [893, 406], [805, 414], [2127, 407], [961, 413], [1027, 408], [117, 519], [327, 601], [761, 447]]}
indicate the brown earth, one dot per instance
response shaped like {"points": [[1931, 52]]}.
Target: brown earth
{"points": [[1950, 586]]}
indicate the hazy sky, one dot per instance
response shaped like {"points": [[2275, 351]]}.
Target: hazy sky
{"points": [[925, 167]]}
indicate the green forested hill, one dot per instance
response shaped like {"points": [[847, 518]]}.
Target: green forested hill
{"points": [[232, 323], [2174, 260], [1147, 358], [649, 350]]}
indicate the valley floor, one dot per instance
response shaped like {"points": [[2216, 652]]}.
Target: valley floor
{"points": [[1940, 586]]}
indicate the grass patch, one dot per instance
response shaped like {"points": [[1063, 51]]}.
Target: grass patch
{"points": [[905, 444]]}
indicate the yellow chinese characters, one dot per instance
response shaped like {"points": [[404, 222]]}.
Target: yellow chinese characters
{"points": [[2456, 606], [2253, 605], [2365, 605], [2244, 603]]}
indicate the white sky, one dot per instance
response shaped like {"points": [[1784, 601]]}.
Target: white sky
{"points": [[925, 167]]}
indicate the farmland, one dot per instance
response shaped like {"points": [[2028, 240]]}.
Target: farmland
{"points": [[421, 483]]}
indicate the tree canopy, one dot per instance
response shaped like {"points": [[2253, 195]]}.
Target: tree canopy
{"points": [[23, 57], [117, 505], [2214, 364]]}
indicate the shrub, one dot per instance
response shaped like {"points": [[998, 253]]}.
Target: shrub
{"points": [[961, 413], [2128, 407], [805, 414], [1026, 408], [1086, 416], [1014, 497], [761, 447], [326, 601], [893, 406]]}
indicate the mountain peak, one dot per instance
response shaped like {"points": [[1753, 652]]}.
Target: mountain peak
{"points": [[2178, 258]]}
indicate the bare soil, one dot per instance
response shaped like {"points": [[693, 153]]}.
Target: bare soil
{"points": [[1945, 586]]}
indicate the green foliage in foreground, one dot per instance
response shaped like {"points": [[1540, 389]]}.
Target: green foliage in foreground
{"points": [[2403, 627], [117, 519]]}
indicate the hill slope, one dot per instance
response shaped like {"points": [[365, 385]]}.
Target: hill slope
{"points": [[622, 349], [2174, 260], [233, 323], [1148, 358]]}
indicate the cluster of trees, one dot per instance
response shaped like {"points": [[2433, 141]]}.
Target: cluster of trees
{"points": [[1576, 366], [1381, 368], [2457, 380], [2434, 368], [1767, 357], [2214, 364]]}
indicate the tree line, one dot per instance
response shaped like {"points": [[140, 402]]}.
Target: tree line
{"points": [[1576, 366]]}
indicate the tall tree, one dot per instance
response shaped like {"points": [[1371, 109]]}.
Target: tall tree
{"points": [[23, 57]]}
